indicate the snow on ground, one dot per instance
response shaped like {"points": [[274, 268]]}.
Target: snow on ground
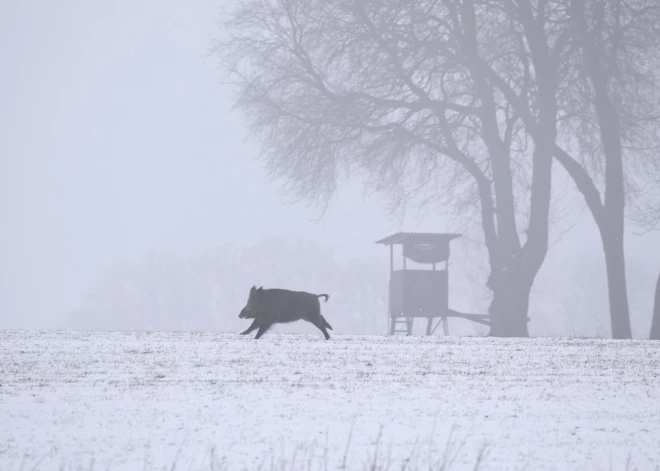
{"points": [[73, 400]]}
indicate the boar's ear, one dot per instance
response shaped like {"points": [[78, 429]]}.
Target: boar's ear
{"points": [[261, 288], [253, 289]]}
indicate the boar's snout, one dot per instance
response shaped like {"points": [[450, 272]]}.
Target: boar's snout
{"points": [[247, 313]]}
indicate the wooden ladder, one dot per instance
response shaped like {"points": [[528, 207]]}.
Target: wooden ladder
{"points": [[397, 321]]}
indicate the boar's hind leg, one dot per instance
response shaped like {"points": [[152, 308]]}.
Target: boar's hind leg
{"points": [[262, 329], [254, 325], [321, 325], [325, 323]]}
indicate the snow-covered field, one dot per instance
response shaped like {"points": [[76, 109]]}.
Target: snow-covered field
{"points": [[78, 400]]}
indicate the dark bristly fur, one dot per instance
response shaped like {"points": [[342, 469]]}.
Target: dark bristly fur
{"points": [[281, 306]]}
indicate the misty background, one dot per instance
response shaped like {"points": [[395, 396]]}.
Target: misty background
{"points": [[124, 176]]}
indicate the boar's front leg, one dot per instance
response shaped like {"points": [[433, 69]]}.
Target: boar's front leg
{"points": [[263, 328], [253, 326]]}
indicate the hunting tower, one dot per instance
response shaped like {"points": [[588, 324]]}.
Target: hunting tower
{"points": [[420, 292]]}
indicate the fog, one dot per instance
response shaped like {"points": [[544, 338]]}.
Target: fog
{"points": [[117, 140]]}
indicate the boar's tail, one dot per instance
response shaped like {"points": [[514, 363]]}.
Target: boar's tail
{"points": [[326, 296]]}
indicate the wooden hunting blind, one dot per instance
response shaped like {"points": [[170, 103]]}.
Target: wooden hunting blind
{"points": [[419, 292]]}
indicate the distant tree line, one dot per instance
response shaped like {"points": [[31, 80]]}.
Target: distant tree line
{"points": [[474, 106], [164, 291]]}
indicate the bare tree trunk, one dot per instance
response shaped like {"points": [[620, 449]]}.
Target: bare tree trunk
{"points": [[655, 324], [612, 219], [508, 316], [510, 303], [513, 266], [612, 223], [512, 284], [616, 285], [511, 290]]}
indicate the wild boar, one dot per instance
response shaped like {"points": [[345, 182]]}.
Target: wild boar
{"points": [[281, 306]]}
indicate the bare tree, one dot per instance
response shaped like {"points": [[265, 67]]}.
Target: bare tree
{"points": [[655, 324], [608, 37], [584, 56], [396, 91]]}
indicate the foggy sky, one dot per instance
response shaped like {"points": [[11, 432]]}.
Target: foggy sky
{"points": [[116, 139]]}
